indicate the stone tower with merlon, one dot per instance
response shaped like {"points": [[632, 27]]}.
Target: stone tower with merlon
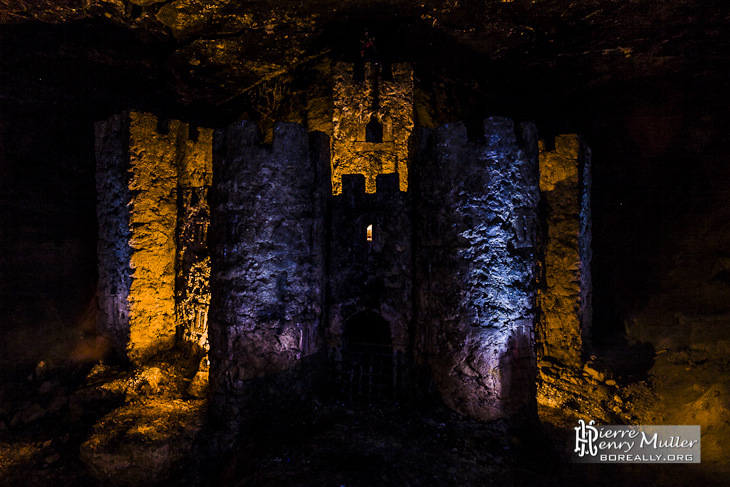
{"points": [[476, 256], [267, 283], [372, 123]]}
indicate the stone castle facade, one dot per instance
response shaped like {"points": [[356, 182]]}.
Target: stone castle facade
{"points": [[384, 262]]}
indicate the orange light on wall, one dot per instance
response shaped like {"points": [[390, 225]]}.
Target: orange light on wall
{"points": [[371, 138], [369, 233]]}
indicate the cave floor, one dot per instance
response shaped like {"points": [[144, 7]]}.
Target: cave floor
{"points": [[45, 417], [384, 444], [413, 446]]}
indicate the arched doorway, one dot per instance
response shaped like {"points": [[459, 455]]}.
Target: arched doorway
{"points": [[366, 369]]}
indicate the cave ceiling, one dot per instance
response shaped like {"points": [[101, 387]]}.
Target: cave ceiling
{"points": [[205, 51]]}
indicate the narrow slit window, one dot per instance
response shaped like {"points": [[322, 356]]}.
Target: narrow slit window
{"points": [[369, 233]]}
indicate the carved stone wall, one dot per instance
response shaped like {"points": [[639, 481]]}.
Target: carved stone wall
{"points": [[476, 258], [565, 300], [195, 178], [114, 251], [450, 264]]}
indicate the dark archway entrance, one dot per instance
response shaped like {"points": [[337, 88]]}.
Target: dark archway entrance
{"points": [[366, 369]]}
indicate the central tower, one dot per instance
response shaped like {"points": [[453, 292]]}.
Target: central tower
{"points": [[372, 123], [369, 283]]}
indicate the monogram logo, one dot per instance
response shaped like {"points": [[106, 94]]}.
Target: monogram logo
{"points": [[585, 438]]}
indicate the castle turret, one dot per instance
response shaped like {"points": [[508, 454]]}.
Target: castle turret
{"points": [[566, 297], [475, 271], [268, 275], [142, 168]]}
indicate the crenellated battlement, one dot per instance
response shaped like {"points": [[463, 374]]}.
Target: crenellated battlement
{"points": [[355, 195]]}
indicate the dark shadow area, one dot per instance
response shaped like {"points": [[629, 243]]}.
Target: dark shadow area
{"points": [[389, 445], [366, 370], [395, 40], [374, 131], [629, 361]]}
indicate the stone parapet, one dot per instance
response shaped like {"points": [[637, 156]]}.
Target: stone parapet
{"points": [[376, 99]]}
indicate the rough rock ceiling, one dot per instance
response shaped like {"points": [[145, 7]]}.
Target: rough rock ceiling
{"points": [[210, 51]]}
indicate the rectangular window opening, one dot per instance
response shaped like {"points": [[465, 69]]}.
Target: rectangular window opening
{"points": [[369, 233]]}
